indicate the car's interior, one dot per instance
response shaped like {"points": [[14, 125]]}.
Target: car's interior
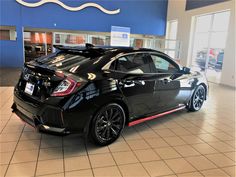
{"points": [[144, 63]]}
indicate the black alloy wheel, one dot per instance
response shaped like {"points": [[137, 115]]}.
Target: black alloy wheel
{"points": [[197, 99], [108, 124]]}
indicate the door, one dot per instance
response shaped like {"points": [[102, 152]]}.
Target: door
{"points": [[209, 43], [137, 86], [172, 87]]}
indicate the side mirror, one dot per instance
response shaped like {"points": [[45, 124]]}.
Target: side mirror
{"points": [[186, 70]]}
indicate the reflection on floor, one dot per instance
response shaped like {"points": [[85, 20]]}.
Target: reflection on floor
{"points": [[181, 144]]}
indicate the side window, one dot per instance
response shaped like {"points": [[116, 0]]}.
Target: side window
{"points": [[138, 63], [162, 65]]}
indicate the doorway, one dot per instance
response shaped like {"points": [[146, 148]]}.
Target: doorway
{"points": [[209, 43]]}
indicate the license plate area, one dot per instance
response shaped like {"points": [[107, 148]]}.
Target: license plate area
{"points": [[29, 88]]}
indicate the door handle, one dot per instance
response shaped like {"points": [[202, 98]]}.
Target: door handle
{"points": [[139, 82], [165, 81], [126, 82], [131, 82]]}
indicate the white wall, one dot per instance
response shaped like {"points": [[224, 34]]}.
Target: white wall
{"points": [[176, 10]]}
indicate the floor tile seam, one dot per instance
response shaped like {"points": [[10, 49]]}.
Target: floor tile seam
{"points": [[5, 125], [63, 157], [114, 157], [13, 153], [35, 171], [161, 159], [233, 138], [215, 148], [163, 147], [137, 156], [8, 99], [176, 158], [86, 148], [214, 162], [215, 128], [214, 153], [199, 171], [158, 154], [48, 174]]}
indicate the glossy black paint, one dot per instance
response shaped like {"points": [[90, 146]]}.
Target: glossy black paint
{"points": [[140, 95]]}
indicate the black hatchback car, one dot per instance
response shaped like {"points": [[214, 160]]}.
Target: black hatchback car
{"points": [[98, 90]]}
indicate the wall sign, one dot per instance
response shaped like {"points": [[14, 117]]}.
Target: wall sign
{"points": [[81, 7], [120, 36]]}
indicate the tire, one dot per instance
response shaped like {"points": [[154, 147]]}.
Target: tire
{"points": [[107, 124], [197, 99]]}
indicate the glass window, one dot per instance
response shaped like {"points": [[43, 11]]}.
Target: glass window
{"points": [[203, 23], [8, 33], [69, 39], [37, 44], [209, 44], [100, 40], [162, 65], [221, 21], [171, 45], [139, 63], [171, 30], [218, 40], [138, 43]]}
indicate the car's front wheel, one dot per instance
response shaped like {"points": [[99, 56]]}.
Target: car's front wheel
{"points": [[107, 124], [197, 99]]}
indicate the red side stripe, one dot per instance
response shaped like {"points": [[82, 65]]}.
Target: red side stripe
{"points": [[154, 116]]}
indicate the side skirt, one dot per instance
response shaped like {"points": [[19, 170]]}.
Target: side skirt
{"points": [[155, 116]]}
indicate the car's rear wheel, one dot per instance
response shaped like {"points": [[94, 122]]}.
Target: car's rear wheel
{"points": [[197, 99], [107, 124]]}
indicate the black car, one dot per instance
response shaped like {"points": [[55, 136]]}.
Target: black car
{"points": [[98, 90]]}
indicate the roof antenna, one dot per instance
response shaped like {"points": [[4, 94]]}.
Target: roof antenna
{"points": [[89, 46]]}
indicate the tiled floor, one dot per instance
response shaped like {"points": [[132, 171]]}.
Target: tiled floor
{"points": [[181, 144]]}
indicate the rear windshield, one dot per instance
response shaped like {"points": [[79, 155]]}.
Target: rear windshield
{"points": [[63, 60]]}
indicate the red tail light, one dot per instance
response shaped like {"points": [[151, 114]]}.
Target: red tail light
{"points": [[66, 87]]}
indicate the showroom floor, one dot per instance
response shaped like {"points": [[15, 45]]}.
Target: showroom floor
{"points": [[182, 144]]}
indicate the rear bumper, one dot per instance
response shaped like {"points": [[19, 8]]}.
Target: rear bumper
{"points": [[54, 114], [44, 117], [40, 127]]}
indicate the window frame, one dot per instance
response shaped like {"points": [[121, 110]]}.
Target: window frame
{"points": [[114, 59]]}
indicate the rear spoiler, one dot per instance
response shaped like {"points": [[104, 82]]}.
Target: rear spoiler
{"points": [[87, 49], [87, 46], [39, 69]]}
